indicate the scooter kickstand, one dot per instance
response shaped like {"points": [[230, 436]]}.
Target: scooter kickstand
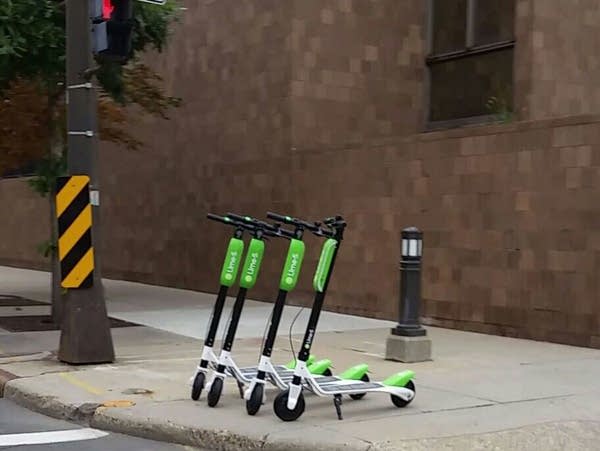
{"points": [[337, 402], [241, 389]]}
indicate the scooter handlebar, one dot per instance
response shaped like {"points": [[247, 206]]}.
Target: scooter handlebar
{"points": [[334, 221], [312, 226], [254, 221], [269, 229]]}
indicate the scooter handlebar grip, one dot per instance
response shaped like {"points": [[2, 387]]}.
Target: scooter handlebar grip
{"points": [[312, 226], [222, 219], [237, 217], [215, 217], [277, 217]]}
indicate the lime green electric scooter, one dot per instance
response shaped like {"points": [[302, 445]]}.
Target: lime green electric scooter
{"points": [[289, 404], [225, 364], [229, 274], [267, 372]]}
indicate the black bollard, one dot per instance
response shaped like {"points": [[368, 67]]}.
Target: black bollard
{"points": [[410, 285]]}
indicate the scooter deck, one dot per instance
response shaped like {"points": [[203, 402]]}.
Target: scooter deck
{"points": [[284, 373], [251, 371], [346, 386]]}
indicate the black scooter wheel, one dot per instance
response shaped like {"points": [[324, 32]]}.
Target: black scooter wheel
{"points": [[255, 401], [357, 396], [198, 386], [399, 402], [281, 409], [214, 393]]}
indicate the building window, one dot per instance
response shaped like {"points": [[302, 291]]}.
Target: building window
{"points": [[470, 60]]}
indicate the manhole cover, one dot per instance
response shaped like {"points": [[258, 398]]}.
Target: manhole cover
{"points": [[7, 300]]}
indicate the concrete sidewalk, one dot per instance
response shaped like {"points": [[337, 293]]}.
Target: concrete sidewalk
{"points": [[479, 392]]}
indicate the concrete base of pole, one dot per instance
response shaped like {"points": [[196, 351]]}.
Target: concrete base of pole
{"points": [[85, 334], [408, 349]]}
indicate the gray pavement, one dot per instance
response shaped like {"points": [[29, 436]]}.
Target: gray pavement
{"points": [[478, 392], [19, 425], [182, 312]]}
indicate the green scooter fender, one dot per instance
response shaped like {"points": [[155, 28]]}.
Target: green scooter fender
{"points": [[399, 379], [319, 367], [356, 372], [292, 364]]}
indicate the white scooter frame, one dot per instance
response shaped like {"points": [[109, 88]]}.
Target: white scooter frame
{"points": [[289, 404]]}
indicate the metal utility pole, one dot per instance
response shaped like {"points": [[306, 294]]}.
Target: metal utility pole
{"points": [[85, 332]]}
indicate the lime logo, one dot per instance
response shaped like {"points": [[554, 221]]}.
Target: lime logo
{"points": [[252, 266], [309, 339], [231, 265], [289, 280], [293, 266]]}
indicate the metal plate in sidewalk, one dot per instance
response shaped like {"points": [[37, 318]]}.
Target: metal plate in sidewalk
{"points": [[17, 301], [39, 323]]}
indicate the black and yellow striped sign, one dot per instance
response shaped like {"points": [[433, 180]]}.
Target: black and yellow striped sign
{"points": [[74, 214]]}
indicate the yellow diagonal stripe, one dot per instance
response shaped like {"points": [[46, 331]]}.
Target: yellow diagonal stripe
{"points": [[80, 271], [74, 232], [66, 195], [81, 384]]}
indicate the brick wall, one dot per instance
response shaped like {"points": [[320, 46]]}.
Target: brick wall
{"points": [[513, 244], [565, 65], [509, 212], [229, 63], [357, 70], [24, 224]]}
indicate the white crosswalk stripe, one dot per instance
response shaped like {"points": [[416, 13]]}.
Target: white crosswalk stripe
{"points": [[41, 438]]}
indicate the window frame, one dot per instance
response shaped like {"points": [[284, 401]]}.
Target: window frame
{"points": [[469, 50]]}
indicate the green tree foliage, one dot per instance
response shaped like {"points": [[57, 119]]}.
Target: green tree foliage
{"points": [[33, 52], [32, 40], [32, 93]]}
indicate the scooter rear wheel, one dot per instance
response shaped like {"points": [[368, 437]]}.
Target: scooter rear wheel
{"points": [[255, 401], [399, 402], [214, 393], [357, 396], [198, 386], [281, 409]]}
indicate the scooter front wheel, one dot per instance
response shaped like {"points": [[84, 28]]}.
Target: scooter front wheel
{"points": [[281, 409], [398, 401], [198, 386], [255, 401], [214, 394]]}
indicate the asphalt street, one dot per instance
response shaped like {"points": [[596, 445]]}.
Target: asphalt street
{"points": [[23, 430]]}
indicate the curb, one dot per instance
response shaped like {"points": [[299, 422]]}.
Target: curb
{"points": [[5, 377], [124, 421], [172, 433], [556, 435], [48, 405]]}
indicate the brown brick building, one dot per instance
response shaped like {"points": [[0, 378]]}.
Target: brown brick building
{"points": [[475, 120]]}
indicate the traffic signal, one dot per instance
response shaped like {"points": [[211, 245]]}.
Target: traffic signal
{"points": [[107, 9], [113, 29]]}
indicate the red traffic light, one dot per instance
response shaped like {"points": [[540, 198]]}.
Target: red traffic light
{"points": [[107, 9]]}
